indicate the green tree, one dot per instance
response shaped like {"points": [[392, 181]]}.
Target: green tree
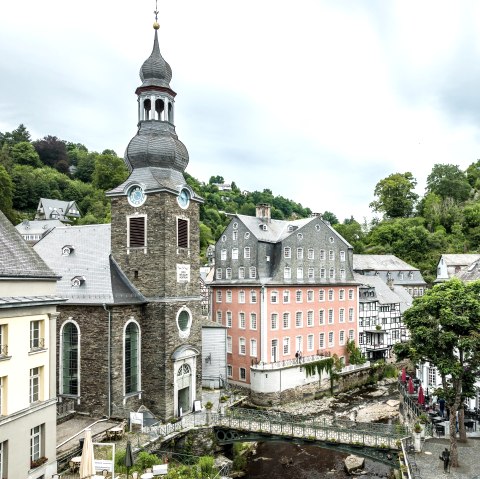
{"points": [[23, 153], [110, 171], [396, 198], [216, 179], [6, 196], [444, 327], [448, 181], [330, 217], [18, 135], [355, 355]]}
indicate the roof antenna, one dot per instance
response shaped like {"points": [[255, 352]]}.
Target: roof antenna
{"points": [[156, 26]]}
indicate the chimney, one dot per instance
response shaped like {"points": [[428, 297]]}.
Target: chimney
{"points": [[316, 215], [263, 212]]}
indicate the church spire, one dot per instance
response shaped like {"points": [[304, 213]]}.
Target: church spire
{"points": [[156, 144]]}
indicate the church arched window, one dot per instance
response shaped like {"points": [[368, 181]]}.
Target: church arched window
{"points": [[132, 369], [70, 359]]}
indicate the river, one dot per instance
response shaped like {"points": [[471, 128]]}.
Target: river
{"points": [[311, 462], [308, 462]]}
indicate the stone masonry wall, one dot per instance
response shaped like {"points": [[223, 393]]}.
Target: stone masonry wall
{"points": [[157, 268], [347, 381]]}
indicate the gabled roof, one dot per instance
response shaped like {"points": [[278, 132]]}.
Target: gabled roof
{"points": [[406, 299], [471, 273], [276, 230], [383, 292], [57, 209], [37, 227], [89, 258], [17, 259], [380, 262], [459, 259]]}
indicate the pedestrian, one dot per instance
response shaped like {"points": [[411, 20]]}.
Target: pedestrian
{"points": [[445, 457], [296, 356], [441, 403]]}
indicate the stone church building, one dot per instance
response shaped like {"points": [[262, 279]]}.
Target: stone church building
{"points": [[130, 333]]}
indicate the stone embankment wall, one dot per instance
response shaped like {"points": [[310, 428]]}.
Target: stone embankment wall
{"points": [[347, 380]]}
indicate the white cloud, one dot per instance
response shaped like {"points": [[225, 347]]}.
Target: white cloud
{"points": [[316, 100]]}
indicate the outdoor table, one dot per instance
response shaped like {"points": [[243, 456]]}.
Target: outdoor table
{"points": [[470, 425], [438, 419], [147, 475]]}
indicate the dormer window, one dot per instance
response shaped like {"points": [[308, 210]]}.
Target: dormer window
{"points": [[263, 227], [67, 250], [77, 281], [235, 226], [299, 236]]}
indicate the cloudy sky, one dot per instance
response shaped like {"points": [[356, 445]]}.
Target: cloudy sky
{"points": [[315, 99]]}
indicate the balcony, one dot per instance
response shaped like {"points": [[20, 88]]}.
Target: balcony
{"points": [[377, 347], [3, 351], [37, 344], [261, 366]]}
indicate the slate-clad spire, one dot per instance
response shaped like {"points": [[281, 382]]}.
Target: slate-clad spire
{"points": [[155, 156], [155, 70]]}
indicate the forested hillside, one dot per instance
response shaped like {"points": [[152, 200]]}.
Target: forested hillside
{"points": [[417, 229]]}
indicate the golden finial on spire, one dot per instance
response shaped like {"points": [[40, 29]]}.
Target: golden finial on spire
{"points": [[156, 25]]}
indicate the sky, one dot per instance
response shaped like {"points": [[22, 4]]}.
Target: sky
{"points": [[316, 100]]}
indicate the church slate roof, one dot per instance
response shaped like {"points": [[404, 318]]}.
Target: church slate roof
{"points": [[99, 279], [154, 180], [17, 259]]}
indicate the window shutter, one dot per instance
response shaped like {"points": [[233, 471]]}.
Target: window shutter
{"points": [[182, 233], [137, 232]]}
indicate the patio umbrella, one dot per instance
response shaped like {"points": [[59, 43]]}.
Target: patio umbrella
{"points": [[87, 467], [421, 396], [404, 375], [129, 461], [411, 389]]}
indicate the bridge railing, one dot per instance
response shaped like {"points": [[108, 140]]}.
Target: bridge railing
{"points": [[323, 429]]}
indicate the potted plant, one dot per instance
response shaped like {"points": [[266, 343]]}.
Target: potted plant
{"points": [[38, 462], [417, 438], [208, 408]]}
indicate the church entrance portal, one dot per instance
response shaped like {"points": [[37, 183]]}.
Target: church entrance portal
{"points": [[183, 401]]}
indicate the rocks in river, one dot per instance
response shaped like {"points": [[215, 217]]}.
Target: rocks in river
{"points": [[377, 412], [378, 392], [286, 461], [393, 403], [353, 463], [221, 461]]}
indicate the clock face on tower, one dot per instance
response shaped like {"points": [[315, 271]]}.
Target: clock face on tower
{"points": [[136, 195], [184, 198]]}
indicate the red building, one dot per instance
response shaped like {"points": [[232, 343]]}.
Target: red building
{"points": [[286, 293]]}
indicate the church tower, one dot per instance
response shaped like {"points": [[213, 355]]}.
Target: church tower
{"points": [[156, 243]]}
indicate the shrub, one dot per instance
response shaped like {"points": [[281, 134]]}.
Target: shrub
{"points": [[145, 460], [206, 465]]}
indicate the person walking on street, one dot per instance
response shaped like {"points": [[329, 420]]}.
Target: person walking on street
{"points": [[445, 457]]}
